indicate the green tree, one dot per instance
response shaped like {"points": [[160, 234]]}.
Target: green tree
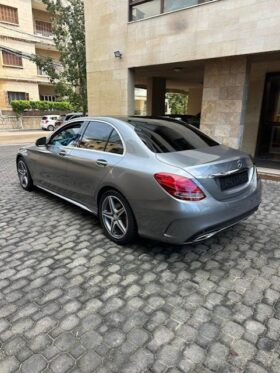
{"points": [[69, 75], [177, 102]]}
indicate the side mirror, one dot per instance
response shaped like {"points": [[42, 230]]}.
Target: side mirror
{"points": [[41, 141]]}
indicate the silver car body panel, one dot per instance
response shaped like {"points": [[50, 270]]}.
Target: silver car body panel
{"points": [[77, 177]]}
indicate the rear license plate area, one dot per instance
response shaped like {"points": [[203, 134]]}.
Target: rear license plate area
{"points": [[232, 181]]}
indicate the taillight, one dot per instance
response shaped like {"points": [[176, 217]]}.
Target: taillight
{"points": [[180, 187]]}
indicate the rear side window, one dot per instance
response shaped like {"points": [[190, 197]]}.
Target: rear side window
{"points": [[102, 137], [170, 136], [114, 144]]}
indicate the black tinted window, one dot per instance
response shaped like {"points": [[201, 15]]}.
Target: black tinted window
{"points": [[96, 136], [162, 136], [114, 144], [68, 136]]}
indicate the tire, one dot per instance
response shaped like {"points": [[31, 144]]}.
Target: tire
{"points": [[25, 178], [116, 218], [50, 128]]}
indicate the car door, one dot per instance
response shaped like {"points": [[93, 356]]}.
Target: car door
{"points": [[99, 149], [50, 162]]}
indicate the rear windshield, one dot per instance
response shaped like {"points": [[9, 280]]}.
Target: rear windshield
{"points": [[162, 136], [44, 118]]}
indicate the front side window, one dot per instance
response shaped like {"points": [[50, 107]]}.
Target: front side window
{"points": [[169, 136], [67, 137], [101, 137]]}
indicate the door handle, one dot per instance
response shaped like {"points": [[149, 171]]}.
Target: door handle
{"points": [[101, 162], [62, 153]]}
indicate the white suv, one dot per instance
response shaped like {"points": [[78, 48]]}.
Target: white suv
{"points": [[48, 122]]}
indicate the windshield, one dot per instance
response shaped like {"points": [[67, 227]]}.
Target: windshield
{"points": [[162, 136]]}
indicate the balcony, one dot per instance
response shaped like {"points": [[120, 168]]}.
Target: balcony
{"points": [[141, 9]]}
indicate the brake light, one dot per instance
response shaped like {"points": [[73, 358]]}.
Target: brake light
{"points": [[180, 187]]}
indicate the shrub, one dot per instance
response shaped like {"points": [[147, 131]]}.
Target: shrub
{"points": [[19, 106]]}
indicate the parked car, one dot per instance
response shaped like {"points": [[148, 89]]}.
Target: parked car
{"points": [[48, 122], [159, 178], [65, 118]]}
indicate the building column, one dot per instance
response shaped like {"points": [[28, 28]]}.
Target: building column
{"points": [[195, 100], [224, 100], [111, 92], [156, 96]]}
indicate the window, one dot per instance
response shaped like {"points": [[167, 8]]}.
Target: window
{"points": [[162, 136], [114, 144], [170, 5], [43, 28], [47, 98], [8, 14], [11, 59], [145, 9], [102, 137], [17, 96], [140, 9], [67, 137]]}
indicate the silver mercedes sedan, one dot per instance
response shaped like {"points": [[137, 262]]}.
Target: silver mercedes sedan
{"points": [[159, 178]]}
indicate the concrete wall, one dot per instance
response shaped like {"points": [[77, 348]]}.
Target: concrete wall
{"points": [[219, 29], [13, 122]]}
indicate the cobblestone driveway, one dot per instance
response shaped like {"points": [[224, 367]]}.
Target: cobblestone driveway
{"points": [[72, 301]]}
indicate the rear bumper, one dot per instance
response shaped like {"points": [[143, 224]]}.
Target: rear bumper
{"points": [[211, 231], [194, 222]]}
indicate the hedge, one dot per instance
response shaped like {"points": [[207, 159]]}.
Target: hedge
{"points": [[19, 106]]}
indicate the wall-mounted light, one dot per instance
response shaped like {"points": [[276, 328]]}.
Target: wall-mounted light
{"points": [[118, 54]]}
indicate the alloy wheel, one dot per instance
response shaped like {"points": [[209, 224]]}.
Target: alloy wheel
{"points": [[22, 173], [114, 216]]}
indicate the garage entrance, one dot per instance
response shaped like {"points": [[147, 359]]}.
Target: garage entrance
{"points": [[268, 145], [173, 89]]}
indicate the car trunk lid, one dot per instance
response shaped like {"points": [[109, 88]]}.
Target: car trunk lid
{"points": [[221, 171]]}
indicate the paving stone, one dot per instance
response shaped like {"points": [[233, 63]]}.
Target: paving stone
{"points": [[194, 353], [217, 356], [72, 299], [91, 339], [242, 352], [8, 365], [62, 363], [35, 364], [89, 362]]}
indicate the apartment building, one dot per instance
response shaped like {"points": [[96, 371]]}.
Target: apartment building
{"points": [[225, 54], [25, 30]]}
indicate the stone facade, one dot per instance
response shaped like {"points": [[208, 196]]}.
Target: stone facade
{"points": [[222, 35], [224, 97]]}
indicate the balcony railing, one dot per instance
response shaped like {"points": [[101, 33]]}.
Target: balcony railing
{"points": [[140, 9]]}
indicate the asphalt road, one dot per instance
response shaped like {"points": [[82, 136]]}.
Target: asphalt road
{"points": [[72, 301]]}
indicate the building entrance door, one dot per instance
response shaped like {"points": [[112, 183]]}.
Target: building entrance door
{"points": [[268, 147]]}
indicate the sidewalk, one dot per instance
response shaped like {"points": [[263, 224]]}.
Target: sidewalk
{"points": [[20, 137]]}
